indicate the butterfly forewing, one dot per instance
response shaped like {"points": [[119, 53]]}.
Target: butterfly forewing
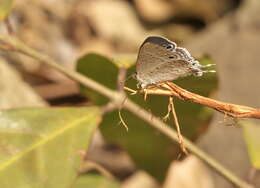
{"points": [[161, 60]]}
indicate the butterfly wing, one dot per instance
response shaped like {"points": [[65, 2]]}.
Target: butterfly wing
{"points": [[171, 70], [152, 53], [161, 60]]}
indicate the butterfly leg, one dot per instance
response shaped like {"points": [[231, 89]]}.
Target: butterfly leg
{"points": [[138, 85], [145, 94]]}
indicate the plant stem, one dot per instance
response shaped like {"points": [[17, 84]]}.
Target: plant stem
{"points": [[118, 99]]}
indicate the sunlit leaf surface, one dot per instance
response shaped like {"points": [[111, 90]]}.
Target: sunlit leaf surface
{"points": [[40, 147]]}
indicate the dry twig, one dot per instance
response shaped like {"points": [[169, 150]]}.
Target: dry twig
{"points": [[121, 79], [176, 122], [171, 89]]}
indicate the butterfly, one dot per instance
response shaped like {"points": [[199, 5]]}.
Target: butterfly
{"points": [[160, 59]]}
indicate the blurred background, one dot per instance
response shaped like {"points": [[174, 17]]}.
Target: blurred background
{"points": [[227, 31]]}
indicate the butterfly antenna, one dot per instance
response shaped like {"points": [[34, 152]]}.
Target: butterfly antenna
{"points": [[208, 65]]}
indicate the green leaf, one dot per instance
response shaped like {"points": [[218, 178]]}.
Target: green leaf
{"points": [[251, 136], [95, 181], [5, 8], [149, 149], [100, 69], [40, 146]]}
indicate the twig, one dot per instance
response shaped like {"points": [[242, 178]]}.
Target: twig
{"points": [[251, 175], [109, 107], [232, 110], [167, 116], [176, 122], [118, 98], [89, 165], [121, 79], [122, 120], [120, 88]]}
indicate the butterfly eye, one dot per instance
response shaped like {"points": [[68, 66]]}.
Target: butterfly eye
{"points": [[170, 46], [195, 63]]}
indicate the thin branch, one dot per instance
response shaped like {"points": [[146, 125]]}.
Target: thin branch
{"points": [[109, 107], [171, 89], [252, 175], [176, 122], [89, 165], [121, 79], [118, 99], [122, 120]]}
